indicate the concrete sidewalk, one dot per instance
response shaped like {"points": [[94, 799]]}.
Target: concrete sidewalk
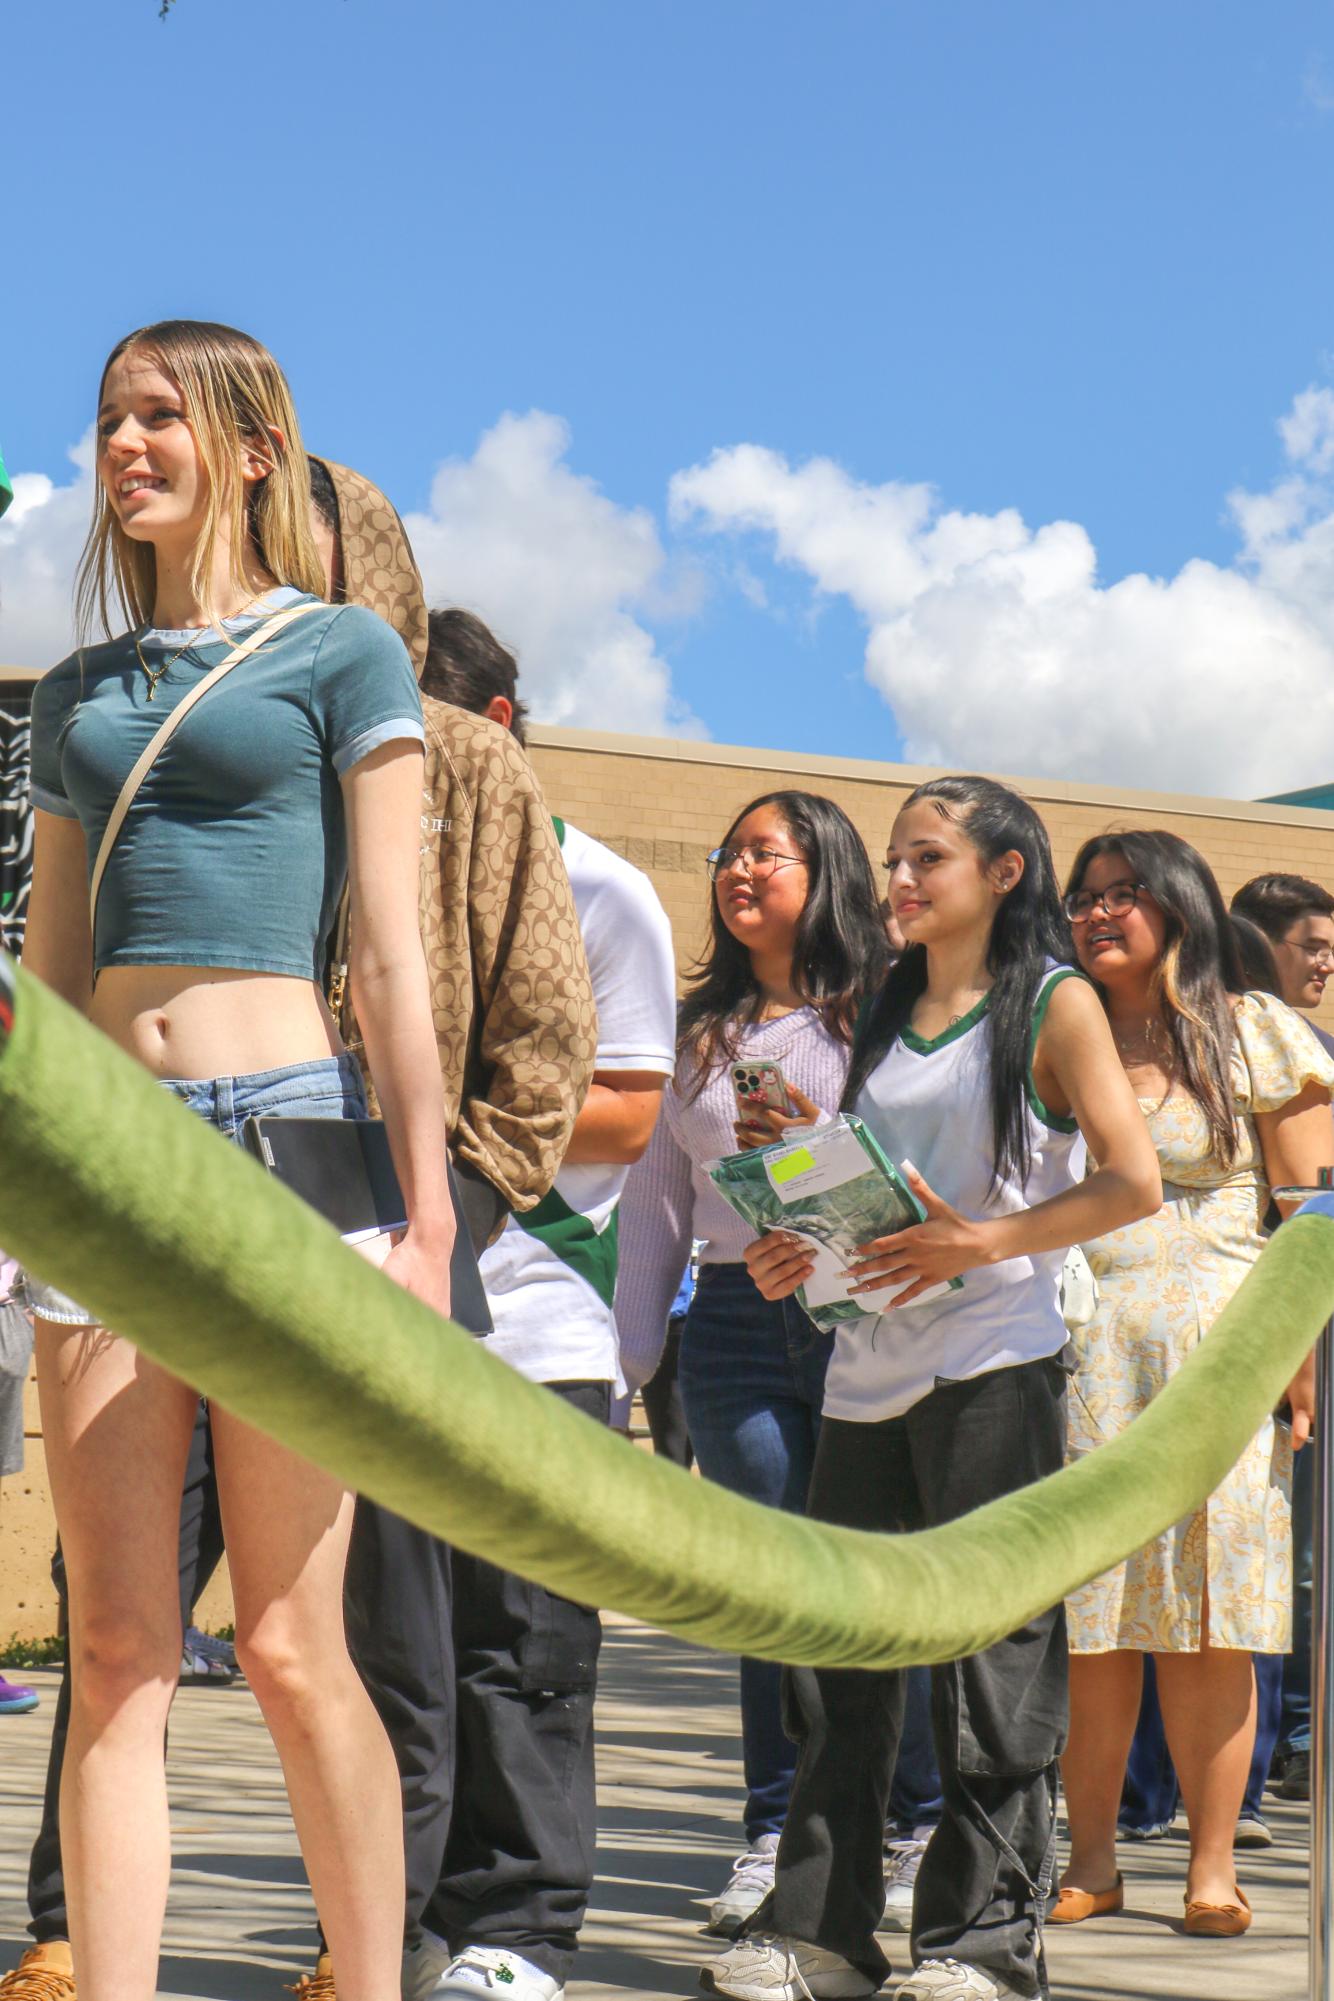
{"points": [[239, 1924]]}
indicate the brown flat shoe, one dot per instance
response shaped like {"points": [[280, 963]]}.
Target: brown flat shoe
{"points": [[1218, 1920], [1073, 1906], [45, 1973]]}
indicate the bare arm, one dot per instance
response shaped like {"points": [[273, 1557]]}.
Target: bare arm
{"points": [[391, 993], [617, 1118], [58, 943], [1296, 1141], [1078, 1073]]}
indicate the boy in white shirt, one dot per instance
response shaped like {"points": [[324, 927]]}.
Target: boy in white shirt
{"points": [[518, 1857]]}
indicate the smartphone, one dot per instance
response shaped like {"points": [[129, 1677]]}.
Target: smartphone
{"points": [[760, 1087]]}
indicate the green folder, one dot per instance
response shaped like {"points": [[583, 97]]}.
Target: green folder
{"points": [[834, 1185]]}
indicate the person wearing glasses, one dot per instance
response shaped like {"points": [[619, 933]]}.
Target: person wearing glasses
{"points": [[1236, 1092], [796, 942], [1296, 915]]}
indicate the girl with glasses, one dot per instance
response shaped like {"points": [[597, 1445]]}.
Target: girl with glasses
{"points": [[795, 944], [1236, 1093], [987, 1063]]}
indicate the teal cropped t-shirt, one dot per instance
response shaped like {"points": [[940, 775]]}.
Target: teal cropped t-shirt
{"points": [[234, 852]]}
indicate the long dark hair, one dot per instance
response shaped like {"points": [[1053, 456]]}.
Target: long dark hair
{"points": [[1029, 930], [1200, 968], [838, 955]]}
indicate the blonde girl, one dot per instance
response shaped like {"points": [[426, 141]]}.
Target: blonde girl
{"points": [[302, 768]]}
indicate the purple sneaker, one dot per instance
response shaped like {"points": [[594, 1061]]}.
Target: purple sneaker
{"points": [[14, 1700]]}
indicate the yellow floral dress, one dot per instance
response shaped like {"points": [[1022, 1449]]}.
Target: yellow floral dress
{"points": [[1161, 1285]]}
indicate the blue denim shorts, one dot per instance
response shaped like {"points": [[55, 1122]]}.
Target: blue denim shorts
{"points": [[328, 1088]]}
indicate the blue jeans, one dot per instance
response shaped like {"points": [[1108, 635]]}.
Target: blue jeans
{"points": [[915, 1796], [752, 1384], [328, 1087], [1295, 1722]]}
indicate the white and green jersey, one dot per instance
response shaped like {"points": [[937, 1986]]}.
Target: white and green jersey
{"points": [[551, 1275], [930, 1102]]}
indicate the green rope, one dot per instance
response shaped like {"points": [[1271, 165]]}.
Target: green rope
{"points": [[110, 1189]]}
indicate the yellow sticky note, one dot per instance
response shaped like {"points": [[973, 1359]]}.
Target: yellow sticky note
{"points": [[801, 1161]]}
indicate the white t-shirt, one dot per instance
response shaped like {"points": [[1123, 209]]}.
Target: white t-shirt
{"points": [[551, 1275]]}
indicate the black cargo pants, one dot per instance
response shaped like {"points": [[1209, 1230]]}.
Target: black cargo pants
{"points": [[999, 1718], [485, 1685]]}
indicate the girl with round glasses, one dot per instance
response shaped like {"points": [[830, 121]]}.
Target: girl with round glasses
{"points": [[795, 942], [1236, 1092]]}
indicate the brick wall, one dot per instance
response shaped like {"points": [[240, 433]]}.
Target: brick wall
{"points": [[663, 804]]}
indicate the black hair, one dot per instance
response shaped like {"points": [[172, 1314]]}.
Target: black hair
{"points": [[1200, 969], [324, 494], [467, 665], [838, 955], [1029, 930], [1277, 902], [1257, 957]]}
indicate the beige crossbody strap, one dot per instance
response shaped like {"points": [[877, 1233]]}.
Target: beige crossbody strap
{"points": [[148, 757]]}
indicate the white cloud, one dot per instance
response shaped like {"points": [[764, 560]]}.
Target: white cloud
{"points": [[565, 575], [560, 572], [996, 645], [41, 537], [1308, 430], [1317, 87]]}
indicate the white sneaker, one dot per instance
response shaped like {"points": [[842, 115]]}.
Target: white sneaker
{"points": [[904, 1860], [489, 1969], [769, 1968], [746, 1888], [951, 1980], [211, 1647], [422, 1967]]}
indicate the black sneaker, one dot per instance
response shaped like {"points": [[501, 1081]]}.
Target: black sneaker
{"points": [[1295, 1783]]}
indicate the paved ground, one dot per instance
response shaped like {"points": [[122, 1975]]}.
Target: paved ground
{"points": [[239, 1922]]}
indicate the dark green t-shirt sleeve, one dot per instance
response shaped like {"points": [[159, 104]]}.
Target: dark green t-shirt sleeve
{"points": [[52, 703], [363, 691]]}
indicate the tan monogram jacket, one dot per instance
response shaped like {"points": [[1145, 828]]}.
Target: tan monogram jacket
{"points": [[514, 1011], [515, 1021]]}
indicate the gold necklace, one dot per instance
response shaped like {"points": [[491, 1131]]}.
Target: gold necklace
{"points": [[1150, 1043], [154, 674]]}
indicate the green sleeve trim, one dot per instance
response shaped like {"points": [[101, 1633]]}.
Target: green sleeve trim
{"points": [[571, 1237], [559, 825], [1050, 1119]]}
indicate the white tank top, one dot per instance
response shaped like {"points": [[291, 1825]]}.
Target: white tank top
{"points": [[930, 1103]]}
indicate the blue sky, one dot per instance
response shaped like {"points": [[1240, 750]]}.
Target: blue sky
{"points": [[1071, 261]]}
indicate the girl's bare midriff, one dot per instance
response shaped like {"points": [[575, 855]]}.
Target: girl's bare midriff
{"points": [[212, 1021]]}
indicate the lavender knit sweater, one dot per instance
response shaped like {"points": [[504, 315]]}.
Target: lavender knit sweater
{"points": [[669, 1199]]}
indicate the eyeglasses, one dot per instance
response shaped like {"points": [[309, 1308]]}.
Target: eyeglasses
{"points": [[757, 862], [1116, 900]]}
